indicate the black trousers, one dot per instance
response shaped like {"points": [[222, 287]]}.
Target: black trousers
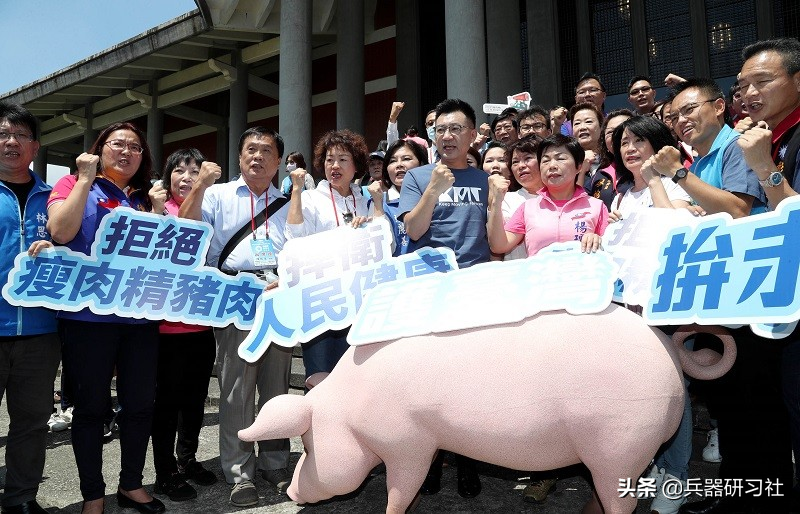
{"points": [[91, 353], [185, 362], [753, 420]]}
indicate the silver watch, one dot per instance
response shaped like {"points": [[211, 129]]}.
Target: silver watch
{"points": [[774, 179]]}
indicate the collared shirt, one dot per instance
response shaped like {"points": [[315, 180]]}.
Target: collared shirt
{"points": [[724, 167], [324, 209], [227, 207]]}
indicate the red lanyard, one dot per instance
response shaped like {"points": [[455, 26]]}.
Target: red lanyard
{"points": [[336, 212], [253, 215]]}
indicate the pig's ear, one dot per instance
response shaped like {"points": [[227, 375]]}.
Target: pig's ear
{"points": [[287, 415]]}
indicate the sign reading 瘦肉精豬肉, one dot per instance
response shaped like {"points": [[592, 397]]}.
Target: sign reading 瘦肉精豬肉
{"points": [[731, 272], [323, 279], [141, 265], [559, 277]]}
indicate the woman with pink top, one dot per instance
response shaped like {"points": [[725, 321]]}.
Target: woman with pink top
{"points": [[561, 211], [185, 360]]}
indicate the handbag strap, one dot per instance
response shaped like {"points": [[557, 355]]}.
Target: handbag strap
{"points": [[242, 232]]}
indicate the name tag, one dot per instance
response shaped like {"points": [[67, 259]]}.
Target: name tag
{"points": [[263, 253]]}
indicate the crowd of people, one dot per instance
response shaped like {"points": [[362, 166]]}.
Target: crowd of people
{"points": [[497, 191]]}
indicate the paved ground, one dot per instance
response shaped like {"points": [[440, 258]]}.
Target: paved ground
{"points": [[501, 487]]}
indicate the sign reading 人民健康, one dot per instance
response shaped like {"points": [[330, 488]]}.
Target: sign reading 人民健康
{"points": [[680, 269]]}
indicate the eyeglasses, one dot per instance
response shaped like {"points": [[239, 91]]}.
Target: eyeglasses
{"points": [[508, 127], [587, 91], [643, 89], [534, 126], [21, 137], [118, 146], [686, 111], [454, 128]]}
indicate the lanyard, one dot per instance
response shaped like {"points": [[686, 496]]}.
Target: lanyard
{"points": [[346, 214], [253, 215]]}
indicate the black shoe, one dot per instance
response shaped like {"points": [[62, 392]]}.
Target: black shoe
{"points": [[197, 473], [175, 487], [154, 506], [715, 506], [29, 507], [469, 484]]}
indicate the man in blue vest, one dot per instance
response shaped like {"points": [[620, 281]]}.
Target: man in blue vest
{"points": [[29, 348], [752, 418]]}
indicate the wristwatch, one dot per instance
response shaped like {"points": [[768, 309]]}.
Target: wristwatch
{"points": [[679, 174], [774, 179]]}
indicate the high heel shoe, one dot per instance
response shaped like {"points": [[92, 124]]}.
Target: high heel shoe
{"points": [[154, 506]]}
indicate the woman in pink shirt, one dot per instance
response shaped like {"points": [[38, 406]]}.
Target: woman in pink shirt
{"points": [[560, 212], [185, 360]]}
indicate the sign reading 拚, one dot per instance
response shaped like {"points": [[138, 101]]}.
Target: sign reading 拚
{"points": [[560, 277], [323, 278], [725, 271], [141, 265]]}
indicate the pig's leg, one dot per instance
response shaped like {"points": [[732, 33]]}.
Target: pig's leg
{"points": [[404, 479], [607, 489]]}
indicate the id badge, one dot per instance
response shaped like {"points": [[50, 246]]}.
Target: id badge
{"points": [[263, 253]]}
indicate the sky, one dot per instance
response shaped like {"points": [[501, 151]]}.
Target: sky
{"points": [[44, 36]]}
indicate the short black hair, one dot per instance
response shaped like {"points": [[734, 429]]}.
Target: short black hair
{"points": [[260, 132], [176, 158], [589, 76], [16, 114], [570, 143], [508, 113], [456, 105], [532, 111], [788, 48], [706, 85], [636, 79]]}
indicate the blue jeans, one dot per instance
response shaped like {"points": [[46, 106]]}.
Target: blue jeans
{"points": [[674, 455]]}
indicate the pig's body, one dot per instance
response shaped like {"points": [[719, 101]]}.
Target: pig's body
{"points": [[548, 392]]}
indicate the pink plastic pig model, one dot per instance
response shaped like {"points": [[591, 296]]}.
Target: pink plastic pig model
{"points": [[583, 384]]}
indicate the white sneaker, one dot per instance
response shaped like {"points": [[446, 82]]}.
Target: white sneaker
{"points": [[56, 424], [662, 504], [66, 416], [711, 451]]}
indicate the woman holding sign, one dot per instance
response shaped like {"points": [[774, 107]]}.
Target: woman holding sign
{"points": [[336, 202], [185, 359], [561, 212], [114, 172]]}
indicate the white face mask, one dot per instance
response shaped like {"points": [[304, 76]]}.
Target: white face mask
{"points": [[291, 166], [431, 132]]}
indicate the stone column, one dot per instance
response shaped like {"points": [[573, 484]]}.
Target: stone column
{"points": [[155, 132], [237, 116], [350, 66], [40, 163], [504, 57], [543, 52], [295, 78], [466, 53]]}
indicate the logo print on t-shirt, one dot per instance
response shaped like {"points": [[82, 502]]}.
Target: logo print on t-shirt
{"points": [[458, 194]]}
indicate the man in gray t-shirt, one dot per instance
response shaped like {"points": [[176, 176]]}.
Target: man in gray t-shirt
{"points": [[444, 204]]}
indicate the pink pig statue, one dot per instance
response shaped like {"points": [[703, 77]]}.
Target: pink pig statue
{"points": [[583, 383]]}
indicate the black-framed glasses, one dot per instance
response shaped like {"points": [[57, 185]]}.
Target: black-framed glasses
{"points": [[19, 136], [686, 110], [118, 145]]}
